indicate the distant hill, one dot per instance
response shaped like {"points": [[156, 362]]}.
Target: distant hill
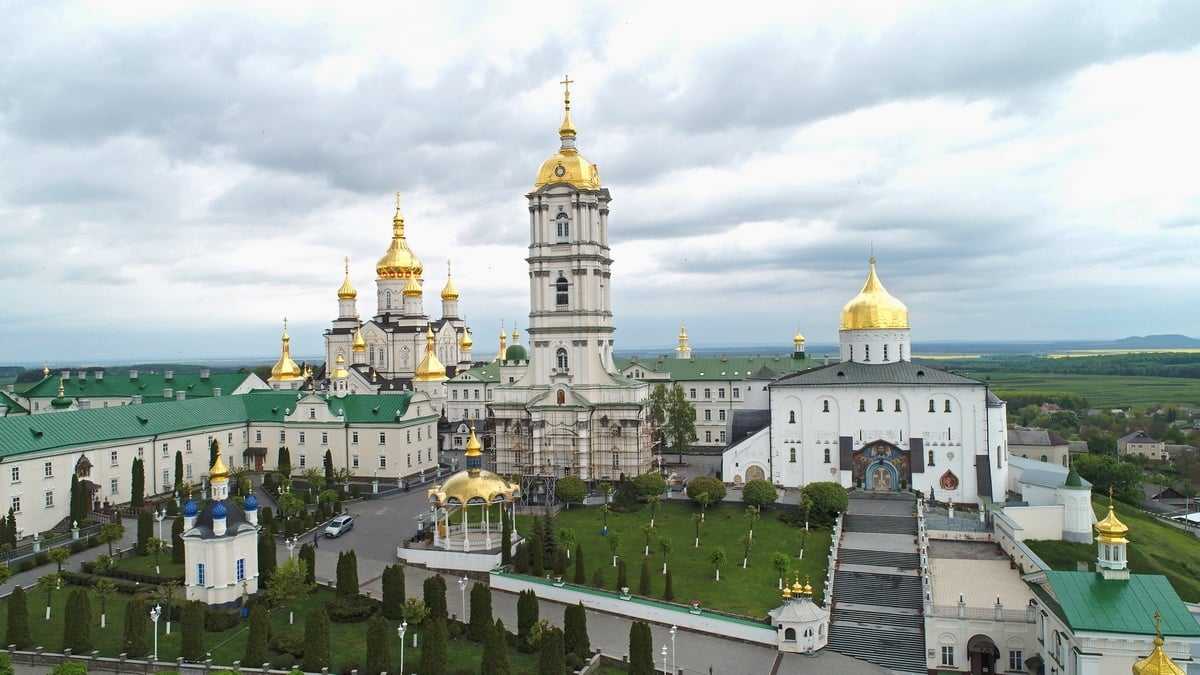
{"points": [[1156, 342]]}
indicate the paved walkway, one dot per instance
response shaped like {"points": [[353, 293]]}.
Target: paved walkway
{"points": [[31, 576]]}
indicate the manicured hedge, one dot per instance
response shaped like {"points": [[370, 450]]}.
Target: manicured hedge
{"points": [[352, 609]]}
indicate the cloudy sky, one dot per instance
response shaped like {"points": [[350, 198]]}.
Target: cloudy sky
{"points": [[174, 181]]}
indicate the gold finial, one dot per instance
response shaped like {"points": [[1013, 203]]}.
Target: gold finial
{"points": [[473, 444], [45, 370], [449, 291], [285, 369], [60, 388], [567, 130], [1157, 662], [347, 291], [218, 472], [1111, 530], [430, 369]]}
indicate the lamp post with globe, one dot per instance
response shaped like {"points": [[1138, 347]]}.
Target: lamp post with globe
{"points": [[673, 666], [154, 616], [462, 590], [400, 630], [664, 655]]}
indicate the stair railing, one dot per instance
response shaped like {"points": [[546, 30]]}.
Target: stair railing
{"points": [[923, 549]]}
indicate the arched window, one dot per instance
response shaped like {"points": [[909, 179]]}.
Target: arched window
{"points": [[931, 408], [792, 455], [862, 405], [791, 417], [562, 226], [930, 458], [562, 397], [947, 405], [1045, 458], [560, 291], [789, 634], [561, 358], [897, 405], [824, 406], [878, 405], [387, 299], [826, 455]]}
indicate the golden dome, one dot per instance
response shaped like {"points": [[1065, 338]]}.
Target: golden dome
{"points": [[473, 444], [874, 307], [1157, 663], [1111, 530], [465, 342], [798, 339], [449, 291], [339, 373], [430, 369], [412, 288], [567, 165], [359, 344], [473, 484], [285, 369], [787, 592], [399, 262], [219, 471], [347, 291]]}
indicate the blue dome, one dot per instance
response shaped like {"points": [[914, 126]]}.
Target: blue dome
{"points": [[251, 503], [218, 510], [190, 509]]}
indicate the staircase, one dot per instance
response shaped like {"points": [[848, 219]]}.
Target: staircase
{"points": [[877, 597]]}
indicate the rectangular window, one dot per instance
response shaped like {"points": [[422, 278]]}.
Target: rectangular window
{"points": [[324, 438], [188, 471], [1015, 662], [301, 438], [737, 392], [382, 438], [48, 469], [691, 393], [708, 437], [49, 499], [721, 392], [200, 574], [383, 461], [947, 655], [258, 435], [354, 461], [409, 458], [187, 445], [229, 439], [16, 474], [721, 414], [15, 504], [112, 487], [722, 436], [166, 476], [241, 569], [792, 455], [302, 464], [165, 450], [707, 415], [354, 437], [282, 436], [707, 393], [476, 394], [112, 458], [140, 454]]}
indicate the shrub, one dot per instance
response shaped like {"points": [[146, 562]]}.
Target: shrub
{"points": [[393, 592], [433, 652], [177, 540], [266, 556], [218, 620], [129, 575], [256, 643], [575, 636], [570, 489], [434, 592], [825, 499], [378, 653], [69, 668], [537, 565], [641, 650], [481, 612], [18, 620], [351, 610], [145, 530], [699, 485], [347, 574], [626, 498], [90, 580], [316, 640], [650, 484], [759, 493], [308, 554], [521, 559], [551, 660], [193, 632], [527, 616], [137, 619], [291, 643], [495, 651]]}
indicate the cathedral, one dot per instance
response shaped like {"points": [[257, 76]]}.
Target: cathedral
{"points": [[384, 353], [567, 411]]}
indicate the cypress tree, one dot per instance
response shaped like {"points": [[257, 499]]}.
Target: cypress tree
{"points": [[76, 511], [137, 617], [580, 578], [284, 462], [495, 651], [83, 634], [212, 453], [551, 661], [308, 555], [138, 484], [394, 592], [560, 562], [622, 581], [347, 574], [71, 620], [668, 592], [193, 632], [641, 651], [177, 540], [377, 645], [537, 567], [527, 615], [329, 468], [266, 517], [435, 596], [505, 538], [433, 652], [644, 582], [178, 472], [18, 620], [145, 530], [316, 640], [481, 612], [598, 577], [521, 560], [575, 637], [549, 538], [256, 643], [266, 557]]}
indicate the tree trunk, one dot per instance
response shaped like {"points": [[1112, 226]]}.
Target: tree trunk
{"points": [[697, 542], [744, 561], [291, 617], [614, 561], [103, 620], [718, 575], [664, 567]]}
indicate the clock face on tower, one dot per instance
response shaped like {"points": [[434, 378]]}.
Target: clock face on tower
{"points": [[559, 171]]}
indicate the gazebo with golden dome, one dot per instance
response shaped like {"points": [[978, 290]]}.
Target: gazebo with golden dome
{"points": [[471, 491]]}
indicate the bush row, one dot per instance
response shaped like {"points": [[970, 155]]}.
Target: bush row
{"points": [[117, 573]]}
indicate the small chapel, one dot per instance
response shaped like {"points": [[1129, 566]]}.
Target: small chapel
{"points": [[220, 543]]}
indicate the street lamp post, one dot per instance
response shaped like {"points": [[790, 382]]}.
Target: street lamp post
{"points": [[400, 631], [291, 546], [664, 654], [674, 668], [462, 589], [158, 516], [154, 616]]}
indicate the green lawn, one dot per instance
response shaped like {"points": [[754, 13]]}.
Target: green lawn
{"points": [[347, 641], [1154, 548], [144, 564], [1100, 390], [750, 592]]}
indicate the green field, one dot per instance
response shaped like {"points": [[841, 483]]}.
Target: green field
{"points": [[749, 592], [1154, 548], [1101, 391]]}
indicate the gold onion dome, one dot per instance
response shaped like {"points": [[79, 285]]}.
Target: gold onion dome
{"points": [[449, 291], [412, 288], [218, 471], [874, 307], [1111, 530], [474, 447], [1157, 663], [399, 262], [347, 291], [340, 371], [567, 165], [798, 339], [359, 344], [787, 592], [285, 369], [473, 483], [430, 369], [465, 342]]}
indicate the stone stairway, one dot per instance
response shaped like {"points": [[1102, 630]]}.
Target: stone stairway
{"points": [[877, 596]]}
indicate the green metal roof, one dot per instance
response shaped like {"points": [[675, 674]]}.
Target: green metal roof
{"points": [[488, 373], [10, 404], [50, 431], [1089, 602], [149, 385], [719, 367]]}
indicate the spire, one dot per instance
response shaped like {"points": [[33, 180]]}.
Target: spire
{"points": [[285, 369], [503, 342], [449, 291], [347, 291], [472, 458], [430, 369], [567, 131], [1157, 663], [399, 261]]}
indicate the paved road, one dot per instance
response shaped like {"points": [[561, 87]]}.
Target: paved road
{"points": [[30, 577]]}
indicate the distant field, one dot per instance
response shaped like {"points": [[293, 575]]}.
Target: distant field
{"points": [[1113, 352], [1100, 390]]}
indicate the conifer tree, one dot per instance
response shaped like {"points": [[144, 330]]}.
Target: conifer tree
{"points": [[481, 612], [136, 642], [347, 574], [527, 615], [433, 652], [137, 484], [644, 582], [178, 472], [560, 562], [537, 567], [641, 650], [505, 538], [551, 661], [434, 590], [495, 651], [212, 453], [393, 592], [521, 560], [266, 557], [580, 578], [284, 462], [18, 620], [177, 540], [622, 581], [378, 652], [329, 468], [76, 509], [145, 530], [316, 640], [309, 555], [75, 624], [193, 632], [668, 591], [575, 636], [256, 642], [549, 537]]}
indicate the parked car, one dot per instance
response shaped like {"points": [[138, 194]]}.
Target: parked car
{"points": [[339, 526]]}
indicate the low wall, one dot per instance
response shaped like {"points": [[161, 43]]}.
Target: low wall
{"points": [[1038, 522], [1009, 535], [449, 560], [958, 535], [644, 609]]}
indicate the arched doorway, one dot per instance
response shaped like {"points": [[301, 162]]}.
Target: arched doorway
{"points": [[882, 477], [755, 473], [982, 653]]}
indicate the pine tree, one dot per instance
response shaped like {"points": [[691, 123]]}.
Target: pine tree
{"points": [[138, 484], [622, 581], [641, 650], [644, 582], [433, 652], [145, 530], [481, 612], [552, 661], [549, 537], [256, 643], [580, 578], [560, 562], [377, 645], [668, 592], [178, 472], [393, 592], [537, 567], [435, 596], [575, 636], [266, 557], [527, 615], [308, 554], [177, 540], [18, 620], [193, 632], [137, 617], [495, 651], [505, 538], [316, 640]]}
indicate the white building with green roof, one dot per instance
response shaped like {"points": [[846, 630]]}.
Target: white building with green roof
{"points": [[109, 387]]}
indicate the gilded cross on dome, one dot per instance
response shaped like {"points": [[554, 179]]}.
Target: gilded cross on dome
{"points": [[566, 83]]}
